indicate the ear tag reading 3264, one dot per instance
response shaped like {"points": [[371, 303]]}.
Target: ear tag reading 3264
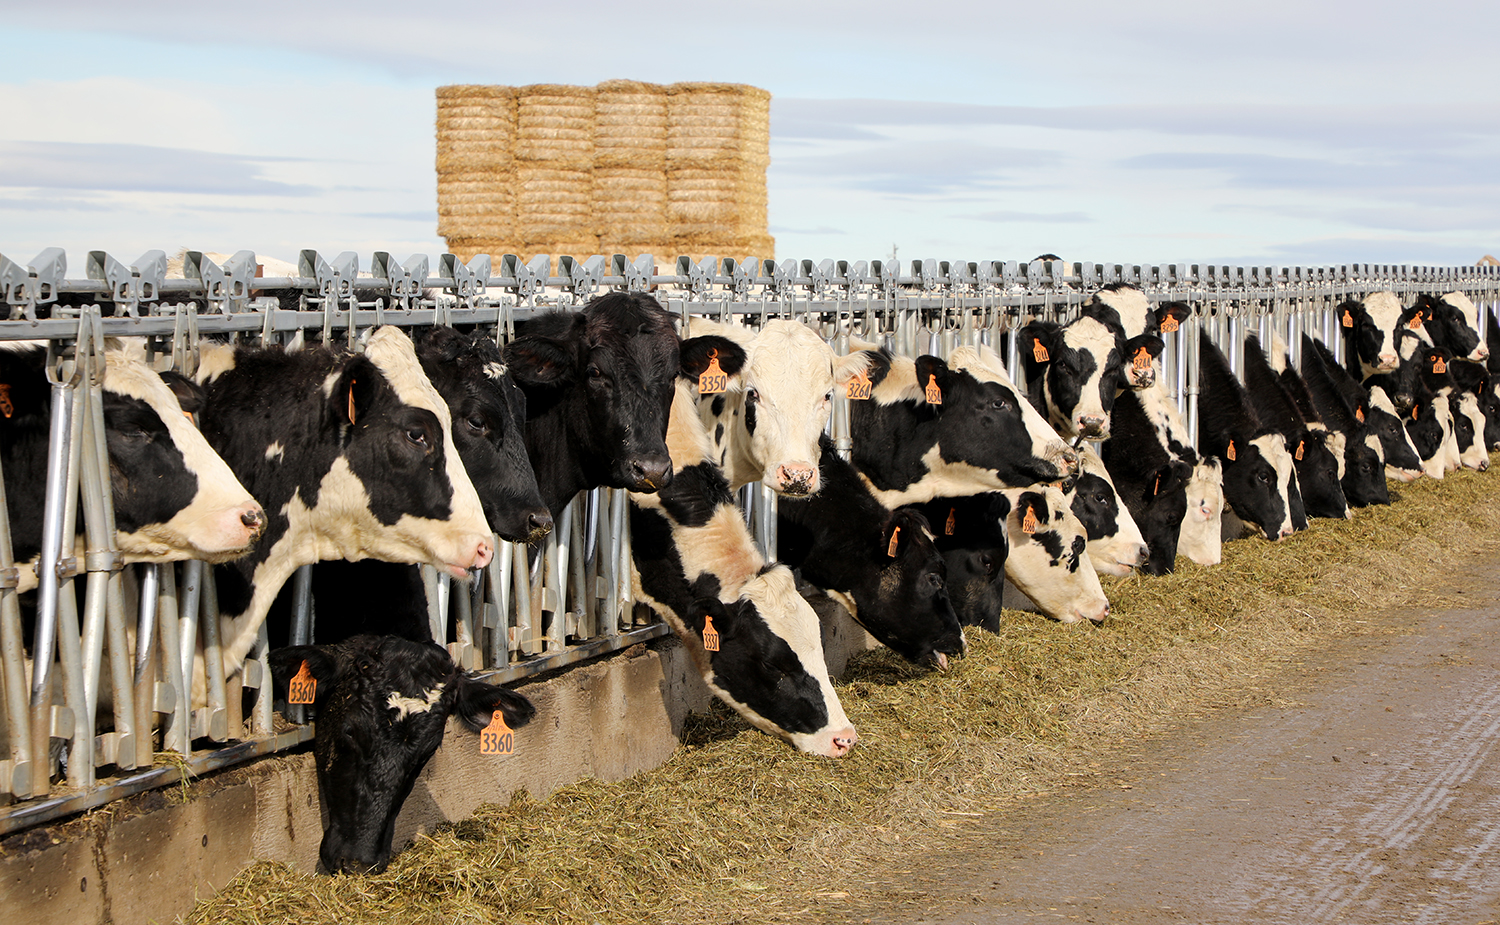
{"points": [[497, 738], [858, 388], [303, 687]]}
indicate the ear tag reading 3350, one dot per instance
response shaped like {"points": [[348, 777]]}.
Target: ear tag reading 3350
{"points": [[497, 738], [710, 635], [713, 380], [933, 392], [303, 687], [858, 388]]}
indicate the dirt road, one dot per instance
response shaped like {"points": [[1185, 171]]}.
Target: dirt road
{"points": [[1373, 796]]}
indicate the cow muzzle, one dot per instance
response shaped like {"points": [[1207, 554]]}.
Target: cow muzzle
{"points": [[648, 474], [796, 480], [1093, 426]]}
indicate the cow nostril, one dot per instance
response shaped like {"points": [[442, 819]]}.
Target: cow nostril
{"points": [[252, 518], [540, 523]]}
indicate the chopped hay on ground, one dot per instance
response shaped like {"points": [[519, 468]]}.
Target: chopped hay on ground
{"points": [[736, 826]]}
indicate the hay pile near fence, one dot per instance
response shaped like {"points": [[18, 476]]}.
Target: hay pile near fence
{"points": [[738, 827], [624, 167]]}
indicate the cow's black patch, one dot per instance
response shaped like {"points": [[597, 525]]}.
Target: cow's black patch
{"points": [[702, 491]]}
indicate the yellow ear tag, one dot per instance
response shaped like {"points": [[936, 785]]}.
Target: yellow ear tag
{"points": [[1359, 414], [948, 527], [6, 408], [1230, 454], [497, 738], [710, 635], [1416, 321], [351, 400], [1348, 319], [1028, 523], [1298, 454], [186, 414], [858, 388], [891, 549], [934, 394], [1142, 359], [1038, 351], [303, 687], [1169, 324], [713, 380], [1438, 365]]}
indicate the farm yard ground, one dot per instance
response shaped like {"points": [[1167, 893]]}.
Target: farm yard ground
{"points": [[1037, 728]]}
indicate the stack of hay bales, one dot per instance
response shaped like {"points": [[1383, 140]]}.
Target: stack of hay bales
{"points": [[625, 167], [475, 165]]}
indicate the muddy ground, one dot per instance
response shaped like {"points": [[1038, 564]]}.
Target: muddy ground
{"points": [[1369, 793]]}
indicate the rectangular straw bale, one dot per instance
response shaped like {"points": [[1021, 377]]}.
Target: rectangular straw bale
{"points": [[580, 248], [476, 127], [467, 247], [553, 203], [475, 203], [555, 123], [630, 205], [710, 121], [630, 125]]}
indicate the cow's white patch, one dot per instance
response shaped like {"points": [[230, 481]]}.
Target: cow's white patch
{"points": [[495, 370], [409, 706], [1476, 455], [1060, 593], [1132, 306], [986, 366], [213, 361], [1470, 313], [275, 452]]}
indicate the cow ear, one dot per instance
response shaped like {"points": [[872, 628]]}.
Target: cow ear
{"points": [[901, 530], [698, 352], [1178, 312], [190, 395], [476, 703], [323, 663], [934, 374], [1032, 504], [704, 609], [444, 342], [356, 391], [1037, 346], [544, 362], [997, 507], [847, 368], [1153, 344]]}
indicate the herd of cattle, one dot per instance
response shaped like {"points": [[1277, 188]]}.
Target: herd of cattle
{"points": [[422, 451]]}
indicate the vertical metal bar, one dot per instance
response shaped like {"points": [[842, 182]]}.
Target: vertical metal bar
{"points": [[1194, 334], [556, 575], [301, 629], [12, 655], [261, 717], [177, 730], [526, 641], [144, 680], [461, 646], [499, 577], [215, 723], [436, 618], [767, 516]]}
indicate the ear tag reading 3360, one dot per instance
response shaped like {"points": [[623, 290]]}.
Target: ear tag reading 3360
{"points": [[303, 687], [497, 738], [1028, 523]]}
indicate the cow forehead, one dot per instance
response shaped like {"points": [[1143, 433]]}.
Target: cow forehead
{"points": [[786, 613], [1086, 333], [1132, 306], [1469, 310], [1384, 309], [393, 354], [789, 357]]}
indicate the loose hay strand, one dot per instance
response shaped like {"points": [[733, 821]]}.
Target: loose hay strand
{"points": [[717, 832]]}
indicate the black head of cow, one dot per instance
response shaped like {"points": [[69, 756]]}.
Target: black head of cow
{"points": [[382, 704], [1453, 322], [599, 387], [969, 532], [919, 619], [1259, 472], [1364, 472], [489, 429], [1162, 507], [1423, 427], [1371, 330]]}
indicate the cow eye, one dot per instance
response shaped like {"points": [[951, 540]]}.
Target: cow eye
{"points": [[1000, 404], [135, 435], [417, 436], [477, 424], [751, 396], [1263, 476], [595, 372], [828, 396]]}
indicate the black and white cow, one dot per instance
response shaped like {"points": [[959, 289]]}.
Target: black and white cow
{"points": [[765, 427], [1474, 379], [599, 385], [383, 704], [1315, 452], [1452, 321], [1115, 543], [1331, 385], [1141, 324], [174, 497], [970, 534], [1260, 478], [351, 453], [1075, 371], [1372, 331], [882, 565], [696, 564], [935, 428], [1360, 469], [1424, 385], [1047, 558]]}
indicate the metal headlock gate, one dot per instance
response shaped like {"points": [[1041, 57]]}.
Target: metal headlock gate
{"points": [[571, 602]]}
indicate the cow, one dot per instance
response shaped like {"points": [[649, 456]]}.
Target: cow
{"points": [[1372, 334], [935, 428], [352, 454], [1260, 478], [1331, 386], [755, 640], [1115, 544], [1313, 455], [174, 497], [1047, 560], [766, 427], [1452, 321], [1424, 385], [882, 565], [1474, 379], [1141, 325], [599, 385], [1360, 470], [1075, 371], [970, 534], [489, 419], [383, 704]]}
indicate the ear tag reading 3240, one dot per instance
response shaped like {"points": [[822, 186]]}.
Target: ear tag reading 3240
{"points": [[497, 738], [303, 687]]}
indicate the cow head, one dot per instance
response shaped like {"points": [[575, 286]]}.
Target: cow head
{"points": [[1427, 435], [1402, 461], [1115, 543], [969, 532], [1453, 322], [915, 616], [769, 664], [1371, 331], [1201, 535], [1259, 472], [1468, 430], [1318, 473], [1048, 561], [382, 705], [609, 372], [1075, 371], [1363, 472], [489, 429]]}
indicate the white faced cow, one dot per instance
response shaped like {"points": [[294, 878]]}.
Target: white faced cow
{"points": [[1453, 322], [1048, 561]]}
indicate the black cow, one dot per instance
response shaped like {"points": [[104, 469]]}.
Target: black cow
{"points": [[174, 497], [353, 457], [1317, 466], [882, 563], [599, 384], [969, 532], [383, 703], [1150, 477], [979, 435], [1452, 321], [1360, 467], [1260, 478], [1331, 385]]}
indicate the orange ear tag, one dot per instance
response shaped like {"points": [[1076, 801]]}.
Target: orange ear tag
{"points": [[1028, 523], [1438, 365], [710, 635], [351, 400], [6, 408], [1142, 359], [948, 527], [891, 549], [186, 414], [1348, 319], [934, 394], [713, 380], [303, 687], [1359, 414], [1156, 489], [1169, 324], [1038, 351], [497, 738], [858, 388], [1298, 454], [1414, 410], [1416, 321], [1230, 454]]}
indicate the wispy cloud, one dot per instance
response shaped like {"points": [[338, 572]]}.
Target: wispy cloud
{"points": [[135, 168], [1043, 217]]}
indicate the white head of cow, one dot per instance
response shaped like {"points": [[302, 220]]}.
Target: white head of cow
{"points": [[1375, 332], [1048, 561], [767, 429], [1200, 538], [1469, 313]]}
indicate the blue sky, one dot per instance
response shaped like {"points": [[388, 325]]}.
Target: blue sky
{"points": [[1278, 133]]}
